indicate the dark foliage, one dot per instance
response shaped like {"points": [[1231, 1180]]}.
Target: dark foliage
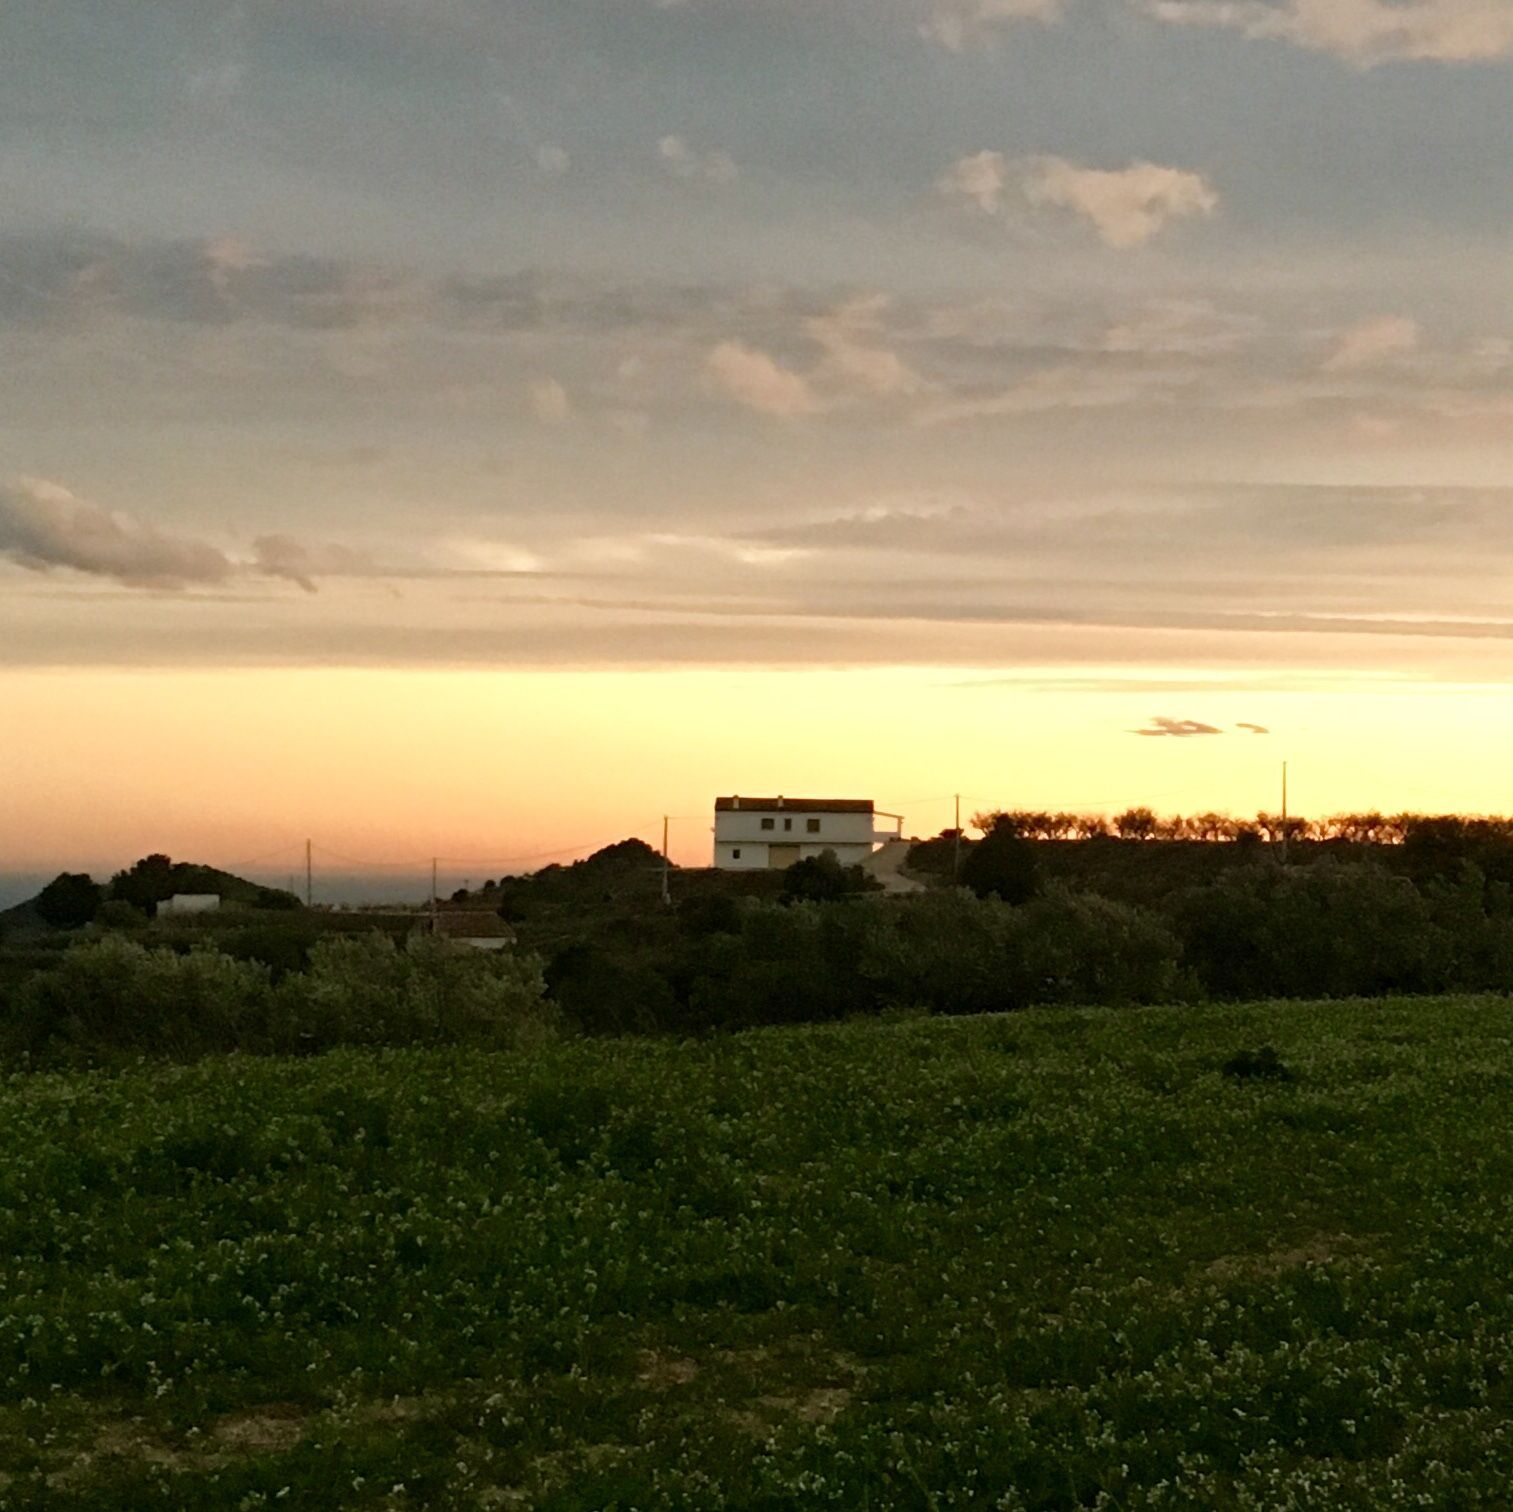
{"points": [[1333, 929], [600, 994], [156, 878], [823, 879], [1257, 1065], [145, 884], [70, 900], [1002, 865]]}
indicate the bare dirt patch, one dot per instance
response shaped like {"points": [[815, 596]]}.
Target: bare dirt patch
{"points": [[663, 1372], [278, 1426], [1319, 1249]]}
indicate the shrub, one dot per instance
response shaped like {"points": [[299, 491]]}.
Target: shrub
{"points": [[961, 954], [795, 963], [1257, 1065], [1080, 948], [1002, 865], [822, 879], [954, 952], [113, 994], [70, 900], [603, 995], [948, 952], [117, 913], [1331, 929], [365, 990]]}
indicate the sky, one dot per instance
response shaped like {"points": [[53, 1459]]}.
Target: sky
{"points": [[482, 427]]}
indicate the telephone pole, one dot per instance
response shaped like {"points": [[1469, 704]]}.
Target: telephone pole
{"points": [[1284, 813], [309, 878], [666, 867], [433, 894], [956, 843]]}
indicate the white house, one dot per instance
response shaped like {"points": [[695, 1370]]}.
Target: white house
{"points": [[190, 903], [757, 834]]}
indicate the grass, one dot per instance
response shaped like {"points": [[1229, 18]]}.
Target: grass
{"points": [[1062, 1259]]}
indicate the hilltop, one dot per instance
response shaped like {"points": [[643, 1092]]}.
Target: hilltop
{"points": [[75, 898]]}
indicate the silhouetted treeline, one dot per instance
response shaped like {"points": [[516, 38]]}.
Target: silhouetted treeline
{"points": [[1369, 828]]}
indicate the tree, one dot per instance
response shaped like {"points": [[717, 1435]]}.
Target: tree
{"points": [[1002, 865], [70, 900], [1135, 824], [822, 879], [146, 884]]}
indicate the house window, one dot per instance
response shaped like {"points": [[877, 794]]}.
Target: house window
{"points": [[813, 826], [735, 853], [767, 824], [787, 824]]}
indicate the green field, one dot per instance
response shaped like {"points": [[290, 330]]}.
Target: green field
{"points": [[1053, 1260]]}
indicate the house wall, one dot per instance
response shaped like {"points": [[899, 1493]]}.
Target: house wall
{"points": [[739, 826]]}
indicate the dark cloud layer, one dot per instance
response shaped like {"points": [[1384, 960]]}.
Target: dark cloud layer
{"points": [[44, 527]]}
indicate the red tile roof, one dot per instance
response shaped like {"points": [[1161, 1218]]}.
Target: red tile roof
{"points": [[793, 805]]}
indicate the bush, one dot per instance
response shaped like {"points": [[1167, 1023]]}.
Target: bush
{"points": [[954, 952], [822, 879], [114, 995], [70, 900], [795, 963], [1330, 929], [365, 990], [962, 954], [603, 995], [1002, 865], [1080, 948], [948, 952], [117, 913]]}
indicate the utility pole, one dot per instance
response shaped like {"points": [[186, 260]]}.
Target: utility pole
{"points": [[433, 895], [956, 843], [1284, 813], [666, 867], [309, 878]]}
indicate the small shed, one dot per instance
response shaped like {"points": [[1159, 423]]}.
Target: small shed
{"points": [[476, 927], [190, 903]]}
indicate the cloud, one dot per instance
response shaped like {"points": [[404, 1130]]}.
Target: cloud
{"points": [[70, 276], [955, 23], [550, 403], [301, 562], [553, 161], [754, 379], [978, 179], [43, 526], [1363, 32], [685, 162], [854, 356], [1181, 327], [1253, 729], [1126, 206], [1058, 388], [1179, 728], [1373, 342]]}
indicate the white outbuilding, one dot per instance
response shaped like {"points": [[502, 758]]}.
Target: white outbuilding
{"points": [[768, 834], [190, 903]]}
